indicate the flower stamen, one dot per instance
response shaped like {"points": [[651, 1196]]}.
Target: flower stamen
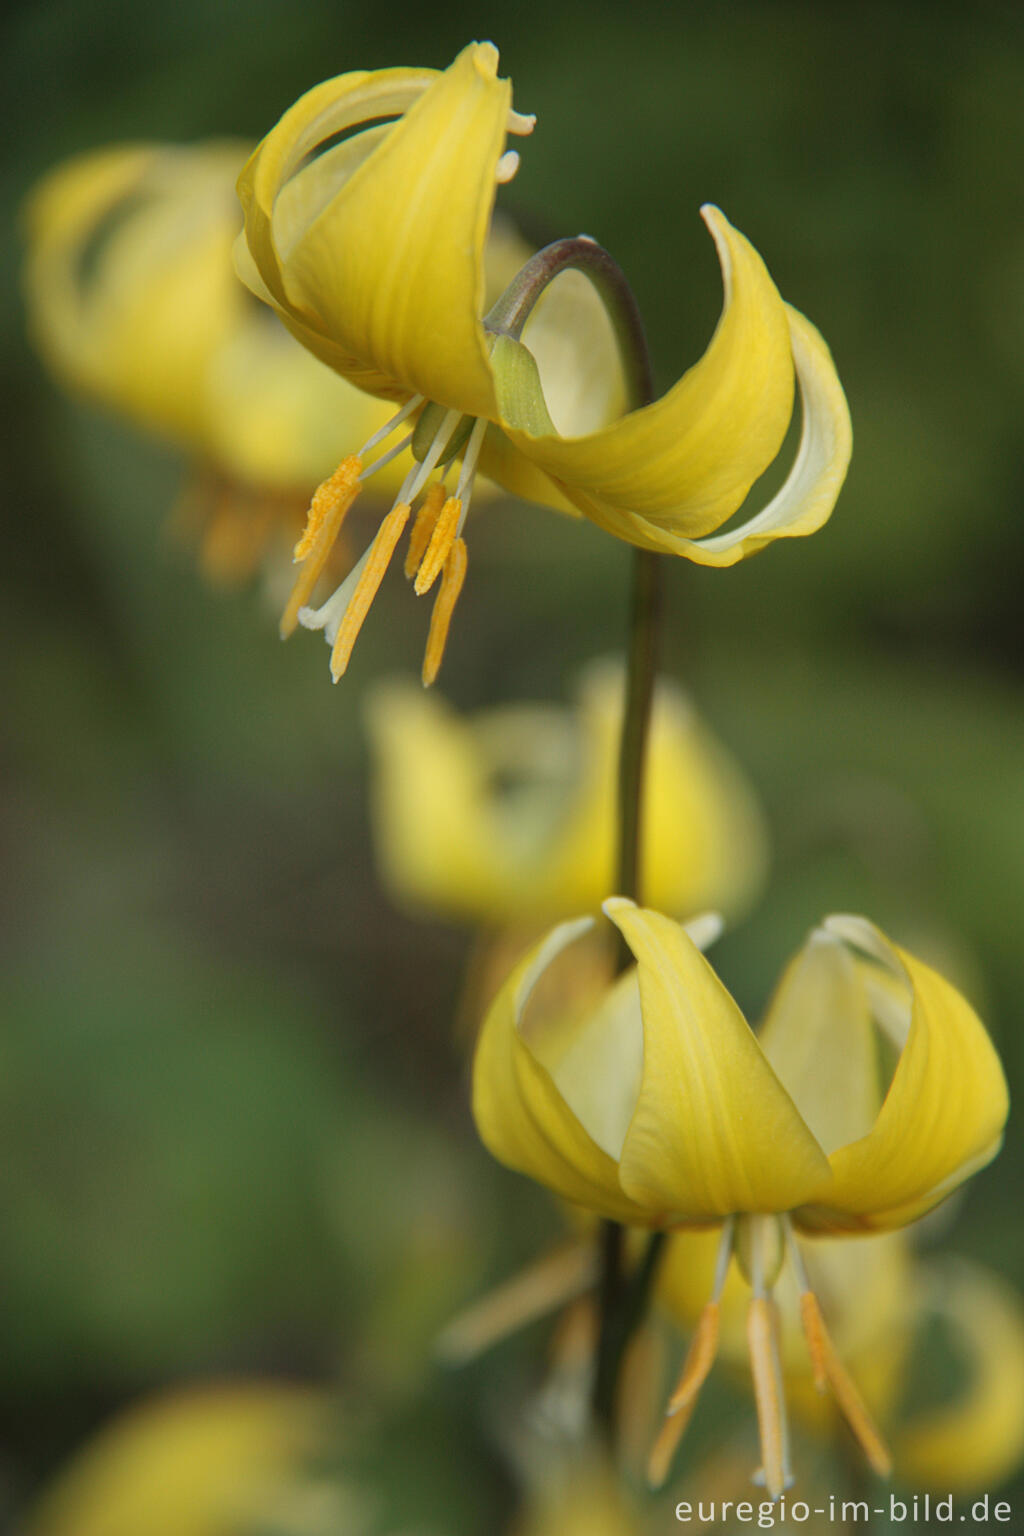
{"points": [[700, 1357], [444, 606], [372, 574], [441, 540], [423, 527], [331, 501], [829, 1371]]}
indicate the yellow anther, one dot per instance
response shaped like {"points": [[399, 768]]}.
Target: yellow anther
{"points": [[444, 606], [700, 1357], [423, 528], [441, 542], [830, 1370], [331, 501], [768, 1394], [381, 550]]}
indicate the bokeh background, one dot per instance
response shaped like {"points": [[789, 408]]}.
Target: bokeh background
{"points": [[234, 1132]]}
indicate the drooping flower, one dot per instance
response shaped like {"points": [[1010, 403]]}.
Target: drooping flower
{"points": [[133, 301], [509, 817], [367, 215], [660, 1108]]}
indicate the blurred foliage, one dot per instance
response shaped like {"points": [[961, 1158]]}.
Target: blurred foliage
{"points": [[234, 1132]]}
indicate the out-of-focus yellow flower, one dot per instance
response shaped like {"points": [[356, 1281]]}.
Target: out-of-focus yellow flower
{"points": [[133, 301], [584, 1501], [659, 1108], [509, 817], [203, 1462], [367, 211]]}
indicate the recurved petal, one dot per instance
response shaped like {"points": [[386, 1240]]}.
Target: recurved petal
{"points": [[813, 484], [679, 468], [378, 246], [714, 1131], [522, 1116], [943, 1116]]}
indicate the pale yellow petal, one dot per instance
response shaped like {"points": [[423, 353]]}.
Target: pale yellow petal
{"points": [[805, 501], [204, 1462], [943, 1115], [714, 1131], [679, 468], [819, 1037], [975, 1439], [521, 1116]]}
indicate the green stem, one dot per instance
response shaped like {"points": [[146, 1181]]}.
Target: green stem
{"points": [[623, 1301], [622, 1297]]}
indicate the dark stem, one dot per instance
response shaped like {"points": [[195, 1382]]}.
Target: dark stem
{"points": [[582, 254], [623, 1301], [622, 1296]]}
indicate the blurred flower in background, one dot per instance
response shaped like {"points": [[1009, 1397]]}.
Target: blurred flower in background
{"points": [[133, 301], [209, 1460], [508, 817]]}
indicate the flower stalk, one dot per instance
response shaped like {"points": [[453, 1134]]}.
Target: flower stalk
{"points": [[622, 1298]]}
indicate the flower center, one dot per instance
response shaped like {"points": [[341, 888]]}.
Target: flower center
{"points": [[762, 1246], [436, 546]]}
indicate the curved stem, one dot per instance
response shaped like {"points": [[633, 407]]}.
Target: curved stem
{"points": [[581, 254]]}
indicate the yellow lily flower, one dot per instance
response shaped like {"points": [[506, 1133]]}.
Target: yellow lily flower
{"points": [[206, 1461], [367, 211], [509, 817], [660, 1108], [134, 302]]}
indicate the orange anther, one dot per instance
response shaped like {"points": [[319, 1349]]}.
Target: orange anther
{"points": [[441, 542], [444, 606], [700, 1357], [381, 550], [423, 528], [848, 1399], [331, 501]]}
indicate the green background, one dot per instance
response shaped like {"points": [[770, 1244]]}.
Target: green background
{"points": [[233, 1123]]}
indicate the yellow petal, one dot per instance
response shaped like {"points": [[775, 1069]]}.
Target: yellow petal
{"points": [[523, 1119], [813, 484], [205, 1462], [714, 1131], [976, 1439], [944, 1113], [677, 469], [376, 259]]}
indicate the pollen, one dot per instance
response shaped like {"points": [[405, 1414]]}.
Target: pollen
{"points": [[423, 528], [829, 1371], [441, 541], [379, 558], [330, 503], [444, 606]]}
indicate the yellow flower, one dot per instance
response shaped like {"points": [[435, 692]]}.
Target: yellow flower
{"points": [[660, 1108], [509, 816], [133, 301], [207, 1461], [367, 215]]}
